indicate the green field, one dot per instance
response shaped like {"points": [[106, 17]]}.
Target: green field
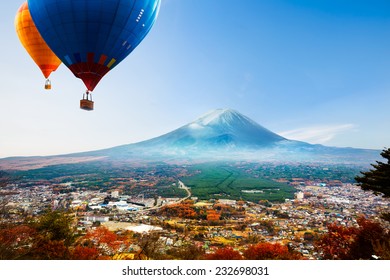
{"points": [[228, 181]]}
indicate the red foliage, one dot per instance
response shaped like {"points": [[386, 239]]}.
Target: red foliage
{"points": [[350, 243], [85, 253], [270, 251], [16, 235], [336, 244], [106, 241], [182, 210], [227, 253], [101, 235], [50, 250], [15, 241]]}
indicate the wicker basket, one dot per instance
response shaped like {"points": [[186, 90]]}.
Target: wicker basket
{"points": [[86, 104]]}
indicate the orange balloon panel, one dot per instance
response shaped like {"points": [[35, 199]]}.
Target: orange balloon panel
{"points": [[33, 42]]}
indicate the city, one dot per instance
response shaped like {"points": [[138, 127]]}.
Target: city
{"points": [[177, 222]]}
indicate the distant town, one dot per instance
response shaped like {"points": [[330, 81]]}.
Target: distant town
{"points": [[207, 223]]}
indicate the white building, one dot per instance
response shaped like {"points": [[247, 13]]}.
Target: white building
{"points": [[300, 195]]}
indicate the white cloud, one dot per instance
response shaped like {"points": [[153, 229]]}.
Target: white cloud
{"points": [[317, 134]]}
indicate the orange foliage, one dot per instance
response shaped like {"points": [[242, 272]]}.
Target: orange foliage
{"points": [[85, 253], [182, 210], [105, 239], [270, 251], [212, 215]]}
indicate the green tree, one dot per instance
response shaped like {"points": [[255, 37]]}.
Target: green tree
{"points": [[378, 178], [56, 226]]}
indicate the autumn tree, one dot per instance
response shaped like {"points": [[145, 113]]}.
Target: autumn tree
{"points": [[50, 250], [270, 251], [184, 210], [105, 241], [378, 178], [15, 241], [351, 243], [226, 253], [81, 252], [369, 233], [212, 215], [336, 243], [47, 237]]}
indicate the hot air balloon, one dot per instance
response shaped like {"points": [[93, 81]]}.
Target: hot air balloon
{"points": [[91, 37], [34, 44]]}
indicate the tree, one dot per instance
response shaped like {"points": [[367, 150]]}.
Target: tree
{"points": [[227, 253], [151, 246], [378, 178], [336, 243], [270, 251], [54, 235], [369, 233], [354, 243], [106, 241], [15, 241], [84, 253], [44, 249], [56, 226]]}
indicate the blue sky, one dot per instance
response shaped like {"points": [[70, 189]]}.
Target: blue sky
{"points": [[311, 70]]}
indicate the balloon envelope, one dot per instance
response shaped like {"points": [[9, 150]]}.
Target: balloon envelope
{"points": [[34, 44], [91, 37]]}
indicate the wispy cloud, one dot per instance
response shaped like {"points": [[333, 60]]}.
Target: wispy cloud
{"points": [[317, 134]]}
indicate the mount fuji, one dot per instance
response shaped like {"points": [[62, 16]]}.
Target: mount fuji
{"points": [[222, 134], [221, 128], [225, 134]]}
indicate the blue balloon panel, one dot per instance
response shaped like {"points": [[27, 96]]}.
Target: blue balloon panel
{"points": [[91, 37]]}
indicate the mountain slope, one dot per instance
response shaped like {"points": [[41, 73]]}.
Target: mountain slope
{"points": [[221, 128], [225, 134], [222, 134]]}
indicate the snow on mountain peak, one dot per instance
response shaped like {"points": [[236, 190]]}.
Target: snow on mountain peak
{"points": [[217, 115]]}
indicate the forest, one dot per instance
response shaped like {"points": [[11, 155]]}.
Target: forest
{"points": [[229, 181]]}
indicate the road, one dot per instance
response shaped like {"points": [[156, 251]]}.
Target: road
{"points": [[187, 189], [181, 186]]}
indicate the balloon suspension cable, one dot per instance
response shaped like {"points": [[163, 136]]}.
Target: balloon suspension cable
{"points": [[86, 103], [48, 84]]}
